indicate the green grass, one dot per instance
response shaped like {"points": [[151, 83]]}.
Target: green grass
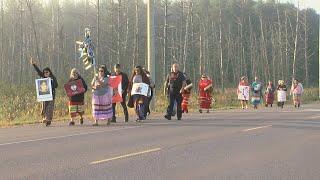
{"points": [[18, 104]]}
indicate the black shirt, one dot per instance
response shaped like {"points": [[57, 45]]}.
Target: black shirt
{"points": [[175, 82]]}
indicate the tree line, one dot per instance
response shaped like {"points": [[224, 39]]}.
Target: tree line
{"points": [[225, 39]]}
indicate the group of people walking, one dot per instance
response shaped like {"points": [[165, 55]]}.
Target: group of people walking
{"points": [[102, 106], [269, 94], [178, 88]]}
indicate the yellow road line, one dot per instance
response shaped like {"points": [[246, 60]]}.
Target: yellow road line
{"points": [[251, 129], [125, 156]]}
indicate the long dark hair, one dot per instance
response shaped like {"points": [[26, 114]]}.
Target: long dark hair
{"points": [[49, 70], [144, 76], [106, 72]]}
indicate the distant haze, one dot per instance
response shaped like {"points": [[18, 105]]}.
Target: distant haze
{"points": [[315, 4]]}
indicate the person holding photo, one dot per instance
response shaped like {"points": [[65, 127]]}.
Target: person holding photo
{"points": [[241, 95], [139, 101], [76, 102], [47, 106]]}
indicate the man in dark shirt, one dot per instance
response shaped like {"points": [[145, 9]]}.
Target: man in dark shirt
{"points": [[124, 84], [176, 81]]}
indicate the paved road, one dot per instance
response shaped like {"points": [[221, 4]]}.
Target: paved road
{"points": [[264, 144]]}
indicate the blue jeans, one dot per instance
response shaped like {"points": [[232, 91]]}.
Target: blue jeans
{"points": [[172, 99], [139, 105]]}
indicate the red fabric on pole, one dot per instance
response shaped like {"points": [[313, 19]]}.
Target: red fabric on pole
{"points": [[115, 83]]}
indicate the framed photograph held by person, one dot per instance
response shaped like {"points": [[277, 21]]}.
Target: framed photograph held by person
{"points": [[44, 90]]}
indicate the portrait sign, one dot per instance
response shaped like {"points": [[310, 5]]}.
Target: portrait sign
{"points": [[44, 90], [140, 88]]}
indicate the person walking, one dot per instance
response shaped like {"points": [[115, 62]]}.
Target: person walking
{"points": [[296, 91], [139, 101], [205, 89], [281, 93], [47, 106], [76, 102], [101, 97], [256, 89], [243, 92], [176, 82], [269, 94], [124, 86]]}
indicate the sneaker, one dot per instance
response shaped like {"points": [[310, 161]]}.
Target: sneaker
{"points": [[200, 110], [179, 119], [95, 124], [81, 121], [71, 123], [167, 117]]}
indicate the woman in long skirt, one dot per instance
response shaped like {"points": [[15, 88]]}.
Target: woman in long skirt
{"points": [[256, 88], [47, 106], [205, 90], [139, 101], [76, 102], [269, 94], [101, 97], [296, 91]]}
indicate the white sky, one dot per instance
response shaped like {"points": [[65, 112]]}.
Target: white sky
{"points": [[315, 4]]}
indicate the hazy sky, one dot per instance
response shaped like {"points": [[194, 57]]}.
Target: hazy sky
{"points": [[315, 4]]}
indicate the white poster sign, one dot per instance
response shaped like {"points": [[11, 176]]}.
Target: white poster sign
{"points": [[282, 96], [244, 92], [44, 90], [140, 88]]}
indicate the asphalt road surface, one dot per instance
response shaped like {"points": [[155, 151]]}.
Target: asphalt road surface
{"points": [[224, 145]]}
